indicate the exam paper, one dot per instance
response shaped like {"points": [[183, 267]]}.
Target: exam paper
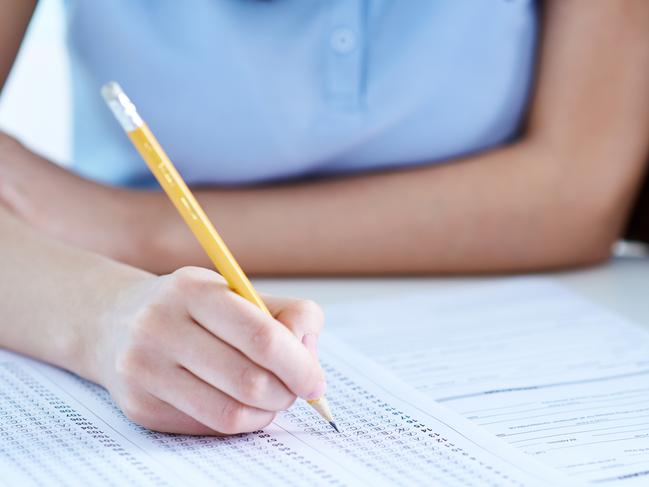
{"points": [[57, 429], [553, 374]]}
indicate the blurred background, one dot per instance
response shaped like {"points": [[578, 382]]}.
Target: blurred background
{"points": [[35, 103]]}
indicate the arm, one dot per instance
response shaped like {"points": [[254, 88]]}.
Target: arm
{"points": [[557, 197], [179, 353]]}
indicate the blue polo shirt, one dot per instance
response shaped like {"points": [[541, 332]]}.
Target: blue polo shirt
{"points": [[250, 91]]}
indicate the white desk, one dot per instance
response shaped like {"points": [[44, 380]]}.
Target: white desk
{"points": [[622, 285]]}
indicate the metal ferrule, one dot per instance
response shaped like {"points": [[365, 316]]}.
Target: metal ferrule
{"points": [[121, 106]]}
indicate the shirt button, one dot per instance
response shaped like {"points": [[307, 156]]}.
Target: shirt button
{"points": [[343, 40]]}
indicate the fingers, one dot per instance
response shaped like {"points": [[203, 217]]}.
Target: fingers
{"points": [[267, 343], [301, 316], [207, 405], [246, 328], [228, 370], [210, 360], [154, 414]]}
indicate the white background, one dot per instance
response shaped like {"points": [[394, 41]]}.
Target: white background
{"points": [[35, 103]]}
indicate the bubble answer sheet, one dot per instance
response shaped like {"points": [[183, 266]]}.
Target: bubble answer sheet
{"points": [[555, 375], [58, 429]]}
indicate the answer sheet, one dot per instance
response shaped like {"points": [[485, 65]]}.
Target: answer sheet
{"points": [[555, 375], [57, 429]]}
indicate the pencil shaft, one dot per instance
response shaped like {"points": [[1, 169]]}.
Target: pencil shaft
{"points": [[194, 216], [190, 210]]}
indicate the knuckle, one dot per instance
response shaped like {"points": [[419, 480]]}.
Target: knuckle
{"points": [[189, 283], [264, 340], [145, 326], [181, 280], [129, 366], [191, 279], [254, 384], [232, 417]]}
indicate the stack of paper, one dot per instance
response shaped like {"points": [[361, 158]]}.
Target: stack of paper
{"points": [[56, 429], [556, 376]]}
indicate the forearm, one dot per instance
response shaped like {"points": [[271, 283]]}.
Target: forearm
{"points": [[52, 294], [175, 352], [558, 197], [508, 210]]}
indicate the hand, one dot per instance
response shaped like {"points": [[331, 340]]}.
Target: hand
{"points": [[182, 353], [85, 214]]}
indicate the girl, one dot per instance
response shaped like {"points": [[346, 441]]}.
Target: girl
{"points": [[350, 137]]}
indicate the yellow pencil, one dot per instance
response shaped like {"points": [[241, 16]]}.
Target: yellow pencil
{"points": [[184, 201]]}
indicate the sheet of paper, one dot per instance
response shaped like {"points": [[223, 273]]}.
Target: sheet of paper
{"points": [[56, 429], [558, 377]]}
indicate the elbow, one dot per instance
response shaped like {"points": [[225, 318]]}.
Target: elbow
{"points": [[584, 237], [565, 252], [570, 251], [590, 253], [581, 204]]}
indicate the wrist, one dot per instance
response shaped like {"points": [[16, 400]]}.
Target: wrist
{"points": [[94, 335], [161, 241], [142, 225]]}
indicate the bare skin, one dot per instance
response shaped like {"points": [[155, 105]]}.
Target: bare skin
{"points": [[179, 353], [560, 195]]}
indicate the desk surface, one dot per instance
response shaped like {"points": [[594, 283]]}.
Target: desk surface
{"points": [[621, 285]]}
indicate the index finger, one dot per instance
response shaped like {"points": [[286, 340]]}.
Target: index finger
{"points": [[260, 337]]}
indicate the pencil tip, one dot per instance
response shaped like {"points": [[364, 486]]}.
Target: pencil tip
{"points": [[333, 425]]}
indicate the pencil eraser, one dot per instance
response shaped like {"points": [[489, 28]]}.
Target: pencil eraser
{"points": [[111, 91]]}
